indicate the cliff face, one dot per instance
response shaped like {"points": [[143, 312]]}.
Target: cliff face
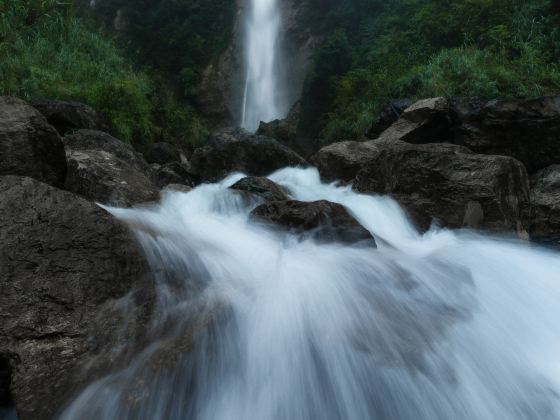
{"points": [[221, 89]]}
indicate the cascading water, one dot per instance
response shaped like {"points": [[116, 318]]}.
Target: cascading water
{"points": [[448, 325], [261, 96]]}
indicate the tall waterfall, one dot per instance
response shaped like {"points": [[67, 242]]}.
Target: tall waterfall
{"points": [[446, 325], [262, 92]]}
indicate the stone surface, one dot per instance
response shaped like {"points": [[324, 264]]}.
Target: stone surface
{"points": [[545, 198], [236, 150], [425, 121], [322, 220], [261, 187], [102, 177], [389, 115], [68, 116], [173, 173], [29, 146], [70, 276], [162, 153], [451, 185], [526, 129]]}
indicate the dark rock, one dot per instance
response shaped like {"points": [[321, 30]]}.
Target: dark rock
{"points": [[84, 140], [29, 146], [173, 173], [70, 276], [104, 178], [162, 153], [178, 188], [526, 129], [426, 121], [70, 116], [230, 150], [450, 184], [261, 187], [545, 198], [389, 115], [286, 132], [323, 220], [342, 161]]}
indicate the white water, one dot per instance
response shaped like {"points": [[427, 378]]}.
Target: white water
{"points": [[261, 99], [450, 325]]}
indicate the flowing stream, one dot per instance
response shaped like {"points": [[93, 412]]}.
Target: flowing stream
{"points": [[261, 97], [446, 325]]}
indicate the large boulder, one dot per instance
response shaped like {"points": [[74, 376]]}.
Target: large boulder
{"points": [[526, 129], [70, 275], [68, 116], [29, 146], [83, 140], [236, 150], [545, 198], [162, 153], [425, 121], [104, 178], [322, 220], [173, 173], [451, 185], [387, 117], [342, 161], [260, 187]]}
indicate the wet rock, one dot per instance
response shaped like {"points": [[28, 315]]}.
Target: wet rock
{"points": [[322, 220], [425, 121], [389, 115], [70, 276], [342, 161], [236, 150], [261, 187], [451, 185], [173, 173], [29, 146], [545, 198], [526, 129], [178, 188], [68, 116], [104, 178], [162, 153]]}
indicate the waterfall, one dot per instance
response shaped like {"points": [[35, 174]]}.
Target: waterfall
{"points": [[446, 325], [261, 95]]}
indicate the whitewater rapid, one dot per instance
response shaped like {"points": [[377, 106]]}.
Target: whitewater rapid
{"points": [[262, 100], [446, 325]]}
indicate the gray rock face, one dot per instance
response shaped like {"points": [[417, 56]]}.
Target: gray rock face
{"points": [[545, 197], [103, 142], [322, 220], [70, 116], [425, 121], [162, 153], [29, 146], [261, 187], [342, 161], [528, 130], [173, 173], [102, 177], [389, 116], [450, 184], [230, 150], [70, 275]]}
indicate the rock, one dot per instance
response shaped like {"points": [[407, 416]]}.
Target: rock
{"points": [[322, 220], [70, 276], [83, 140], [70, 116], [389, 115], [342, 161], [261, 187], [29, 146], [178, 188], [162, 153], [104, 178], [286, 132], [234, 149], [450, 184], [173, 173], [526, 129], [545, 198], [426, 121]]}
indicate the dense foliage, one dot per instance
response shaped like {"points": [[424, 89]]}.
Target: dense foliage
{"points": [[380, 50]]}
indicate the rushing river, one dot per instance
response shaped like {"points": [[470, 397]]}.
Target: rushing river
{"points": [[446, 325]]}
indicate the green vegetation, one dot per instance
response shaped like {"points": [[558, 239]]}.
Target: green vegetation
{"points": [[383, 50]]}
